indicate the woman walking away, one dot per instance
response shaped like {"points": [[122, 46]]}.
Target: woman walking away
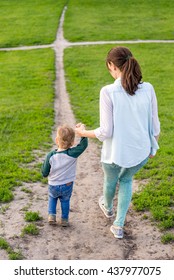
{"points": [[129, 129]]}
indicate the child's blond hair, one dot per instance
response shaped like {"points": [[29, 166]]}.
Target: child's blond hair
{"points": [[65, 136]]}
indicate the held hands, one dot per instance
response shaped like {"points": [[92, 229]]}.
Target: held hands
{"points": [[79, 129]]}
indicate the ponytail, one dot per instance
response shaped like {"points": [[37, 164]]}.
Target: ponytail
{"points": [[130, 69]]}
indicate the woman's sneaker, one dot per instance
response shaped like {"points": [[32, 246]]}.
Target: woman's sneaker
{"points": [[107, 213], [52, 219], [117, 231]]}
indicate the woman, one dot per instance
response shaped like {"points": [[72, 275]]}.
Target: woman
{"points": [[129, 129]]}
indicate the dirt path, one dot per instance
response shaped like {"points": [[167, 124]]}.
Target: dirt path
{"points": [[88, 236]]}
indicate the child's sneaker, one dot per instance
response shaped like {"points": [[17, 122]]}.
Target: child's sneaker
{"points": [[107, 213], [52, 219], [117, 231], [64, 223]]}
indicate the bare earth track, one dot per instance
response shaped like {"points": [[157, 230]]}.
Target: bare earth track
{"points": [[88, 236]]}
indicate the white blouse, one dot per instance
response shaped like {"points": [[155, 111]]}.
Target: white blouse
{"points": [[128, 124]]}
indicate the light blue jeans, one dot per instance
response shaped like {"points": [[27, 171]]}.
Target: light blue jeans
{"points": [[114, 174], [62, 192]]}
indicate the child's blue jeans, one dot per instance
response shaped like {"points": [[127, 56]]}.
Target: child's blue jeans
{"points": [[114, 174], [62, 192]]}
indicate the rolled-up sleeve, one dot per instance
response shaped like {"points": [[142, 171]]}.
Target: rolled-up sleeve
{"points": [[106, 116]]}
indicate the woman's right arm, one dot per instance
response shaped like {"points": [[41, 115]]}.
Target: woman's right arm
{"points": [[106, 120], [106, 116]]}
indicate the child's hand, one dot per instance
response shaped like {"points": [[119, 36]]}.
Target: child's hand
{"points": [[80, 127]]}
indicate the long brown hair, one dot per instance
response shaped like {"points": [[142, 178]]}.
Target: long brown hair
{"points": [[130, 69]]}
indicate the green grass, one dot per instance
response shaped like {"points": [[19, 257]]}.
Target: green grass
{"points": [[167, 238], [32, 216], [3, 244], [26, 190], [93, 20], [30, 229], [4, 208], [86, 73], [13, 255], [26, 115], [29, 22]]}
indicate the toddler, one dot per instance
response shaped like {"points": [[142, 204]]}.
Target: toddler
{"points": [[60, 167]]}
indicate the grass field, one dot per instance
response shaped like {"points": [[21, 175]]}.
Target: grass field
{"points": [[29, 22], [119, 20], [26, 114], [27, 84]]}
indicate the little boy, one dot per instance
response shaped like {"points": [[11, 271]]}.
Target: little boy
{"points": [[60, 167]]}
